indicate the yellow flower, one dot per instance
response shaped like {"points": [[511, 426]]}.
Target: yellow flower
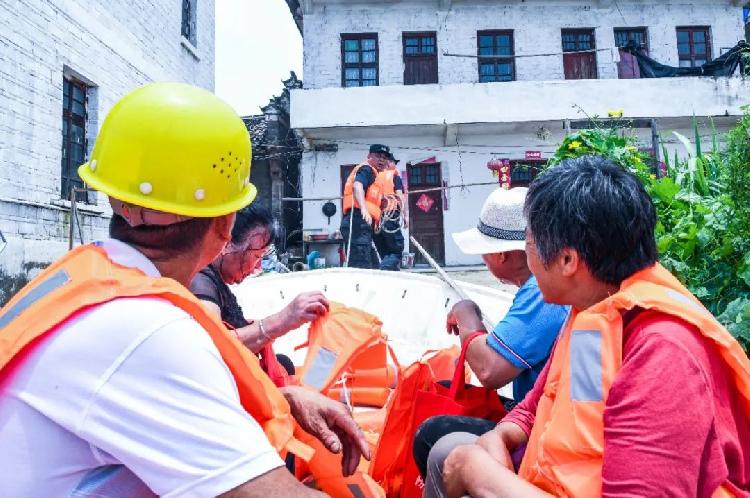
{"points": [[653, 177], [632, 148], [575, 144]]}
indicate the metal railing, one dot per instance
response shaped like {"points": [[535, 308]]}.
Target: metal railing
{"points": [[74, 221]]}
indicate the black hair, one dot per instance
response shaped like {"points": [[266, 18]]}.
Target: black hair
{"points": [[168, 239], [597, 208], [252, 216]]}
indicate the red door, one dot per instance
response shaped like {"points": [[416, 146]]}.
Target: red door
{"points": [[579, 56], [426, 211]]}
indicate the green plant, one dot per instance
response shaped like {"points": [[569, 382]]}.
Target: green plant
{"points": [[703, 208]]}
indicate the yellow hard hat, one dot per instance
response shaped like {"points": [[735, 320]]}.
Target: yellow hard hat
{"points": [[174, 148]]}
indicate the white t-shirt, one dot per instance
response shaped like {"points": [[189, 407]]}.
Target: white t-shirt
{"points": [[130, 398]]}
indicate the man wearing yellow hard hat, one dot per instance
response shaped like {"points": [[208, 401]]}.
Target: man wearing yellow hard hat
{"points": [[114, 379]]}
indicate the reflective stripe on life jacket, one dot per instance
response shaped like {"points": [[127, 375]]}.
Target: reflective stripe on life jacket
{"points": [[373, 195], [565, 450], [86, 277]]}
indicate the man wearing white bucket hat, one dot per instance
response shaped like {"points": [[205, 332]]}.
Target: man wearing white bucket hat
{"points": [[516, 350]]}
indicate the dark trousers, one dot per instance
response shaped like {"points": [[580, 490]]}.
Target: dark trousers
{"points": [[435, 428], [360, 250], [390, 244]]}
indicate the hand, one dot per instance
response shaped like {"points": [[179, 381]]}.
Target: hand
{"points": [[366, 216], [331, 423], [304, 308], [463, 319], [492, 443]]}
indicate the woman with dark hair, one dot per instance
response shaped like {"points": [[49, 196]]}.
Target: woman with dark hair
{"points": [[645, 393], [252, 239]]}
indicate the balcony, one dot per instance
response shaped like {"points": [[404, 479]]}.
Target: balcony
{"points": [[315, 111]]}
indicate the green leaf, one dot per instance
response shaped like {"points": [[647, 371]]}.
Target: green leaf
{"points": [[665, 189]]}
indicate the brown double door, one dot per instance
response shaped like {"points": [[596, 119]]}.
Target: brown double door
{"points": [[426, 211]]}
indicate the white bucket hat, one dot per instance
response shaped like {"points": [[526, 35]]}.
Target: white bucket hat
{"points": [[501, 227]]}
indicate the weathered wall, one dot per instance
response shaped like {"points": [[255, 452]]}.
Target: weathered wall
{"points": [[113, 46], [536, 25]]}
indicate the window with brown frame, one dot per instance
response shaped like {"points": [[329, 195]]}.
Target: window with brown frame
{"points": [[73, 137], [495, 56], [628, 68], [420, 58], [579, 54], [694, 46], [359, 59]]}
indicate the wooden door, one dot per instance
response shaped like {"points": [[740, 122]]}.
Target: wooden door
{"points": [[579, 56], [420, 58], [426, 211]]}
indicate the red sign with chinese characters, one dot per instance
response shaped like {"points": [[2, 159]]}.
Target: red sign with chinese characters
{"points": [[533, 154], [425, 202]]}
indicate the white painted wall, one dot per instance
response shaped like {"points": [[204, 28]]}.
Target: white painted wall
{"points": [[114, 45], [536, 25]]}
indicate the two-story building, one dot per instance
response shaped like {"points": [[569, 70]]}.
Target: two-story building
{"points": [[451, 85], [63, 64]]}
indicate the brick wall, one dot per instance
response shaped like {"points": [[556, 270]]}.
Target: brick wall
{"points": [[536, 25], [112, 45]]}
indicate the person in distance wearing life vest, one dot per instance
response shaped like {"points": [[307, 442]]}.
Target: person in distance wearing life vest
{"points": [[116, 380], [388, 238], [645, 393], [363, 187]]}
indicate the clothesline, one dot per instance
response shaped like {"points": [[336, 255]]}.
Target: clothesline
{"points": [[552, 54], [408, 192]]}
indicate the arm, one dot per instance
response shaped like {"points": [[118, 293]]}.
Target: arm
{"points": [[305, 308], [492, 370], [278, 482], [359, 195]]}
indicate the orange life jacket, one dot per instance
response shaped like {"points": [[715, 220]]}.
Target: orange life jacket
{"points": [[86, 277], [386, 178], [373, 195], [564, 453]]}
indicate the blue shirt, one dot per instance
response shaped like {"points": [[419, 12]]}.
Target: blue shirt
{"points": [[526, 334]]}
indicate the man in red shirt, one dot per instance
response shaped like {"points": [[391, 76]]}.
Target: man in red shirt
{"points": [[664, 416]]}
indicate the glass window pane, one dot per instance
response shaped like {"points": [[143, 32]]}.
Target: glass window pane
{"points": [[351, 83], [686, 63], [351, 57], [683, 37], [369, 73], [429, 49], [485, 41], [368, 57], [486, 69], [486, 51], [699, 62], [65, 127], [351, 45], [351, 74], [504, 68], [699, 36], [428, 41], [683, 48], [369, 83], [412, 50], [66, 89], [368, 44], [621, 38], [502, 40], [504, 51], [76, 134], [411, 42], [78, 94], [700, 48]]}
